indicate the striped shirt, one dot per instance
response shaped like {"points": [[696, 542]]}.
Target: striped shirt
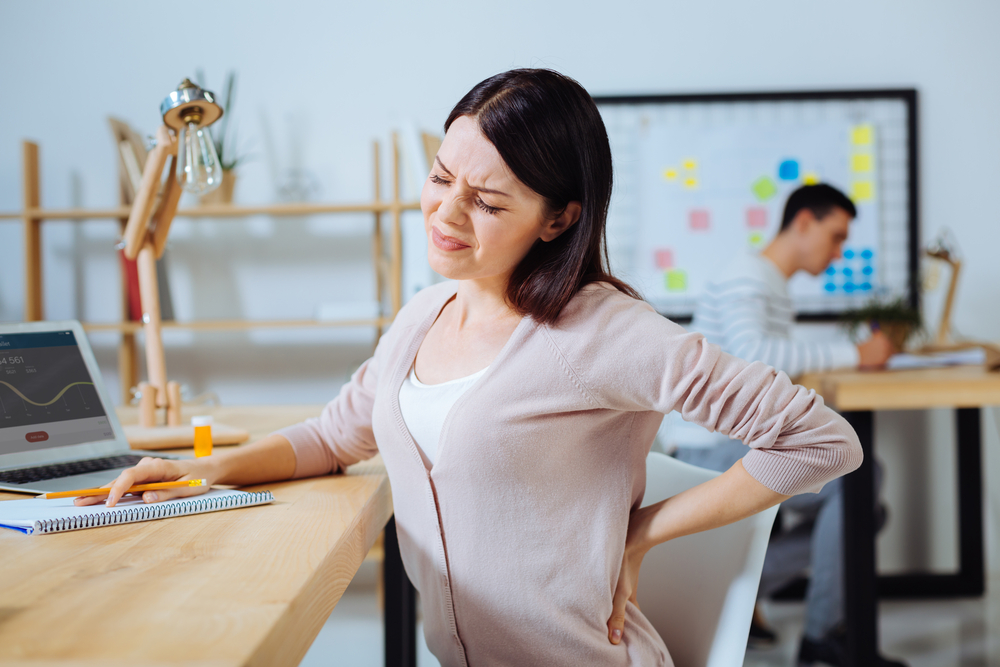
{"points": [[747, 312]]}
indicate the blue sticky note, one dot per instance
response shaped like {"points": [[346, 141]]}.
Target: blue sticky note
{"points": [[848, 287], [847, 271], [866, 254], [866, 287], [830, 287], [831, 270], [848, 254], [867, 270], [788, 170]]}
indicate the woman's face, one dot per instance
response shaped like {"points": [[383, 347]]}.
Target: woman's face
{"points": [[480, 219]]}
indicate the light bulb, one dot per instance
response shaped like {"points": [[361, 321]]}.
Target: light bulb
{"points": [[198, 168]]}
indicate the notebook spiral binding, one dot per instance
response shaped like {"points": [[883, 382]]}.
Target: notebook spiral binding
{"points": [[153, 511]]}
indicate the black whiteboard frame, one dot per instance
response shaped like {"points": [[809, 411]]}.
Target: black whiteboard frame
{"points": [[907, 95]]}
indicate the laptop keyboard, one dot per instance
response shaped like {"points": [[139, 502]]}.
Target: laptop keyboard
{"points": [[40, 473]]}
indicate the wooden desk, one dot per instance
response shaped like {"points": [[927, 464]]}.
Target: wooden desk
{"points": [[857, 395], [242, 587]]}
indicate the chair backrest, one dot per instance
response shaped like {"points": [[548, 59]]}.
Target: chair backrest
{"points": [[698, 591]]}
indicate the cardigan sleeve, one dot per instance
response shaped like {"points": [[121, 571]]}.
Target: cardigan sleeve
{"points": [[631, 358], [342, 434]]}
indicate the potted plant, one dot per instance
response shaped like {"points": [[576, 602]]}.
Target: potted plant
{"points": [[895, 318], [225, 145]]}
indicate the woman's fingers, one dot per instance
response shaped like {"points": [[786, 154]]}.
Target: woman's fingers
{"points": [[616, 624], [83, 501], [625, 592], [147, 470], [166, 494]]}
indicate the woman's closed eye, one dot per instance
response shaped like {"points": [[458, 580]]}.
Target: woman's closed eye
{"points": [[492, 210]]}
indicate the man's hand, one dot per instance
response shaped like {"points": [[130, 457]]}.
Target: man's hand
{"points": [[875, 351]]}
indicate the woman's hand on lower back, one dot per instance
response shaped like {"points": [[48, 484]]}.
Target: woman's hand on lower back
{"points": [[636, 545], [732, 496], [156, 470]]}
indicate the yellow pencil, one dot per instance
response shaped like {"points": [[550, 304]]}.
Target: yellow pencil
{"points": [[132, 489]]}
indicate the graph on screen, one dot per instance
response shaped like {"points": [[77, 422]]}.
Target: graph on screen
{"points": [[701, 178], [43, 380]]}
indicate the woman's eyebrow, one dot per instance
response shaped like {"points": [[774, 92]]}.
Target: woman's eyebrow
{"points": [[492, 192], [441, 164]]}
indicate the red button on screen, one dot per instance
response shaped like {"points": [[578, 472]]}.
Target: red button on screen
{"points": [[36, 436]]}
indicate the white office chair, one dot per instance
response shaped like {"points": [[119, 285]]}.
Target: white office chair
{"points": [[698, 591]]}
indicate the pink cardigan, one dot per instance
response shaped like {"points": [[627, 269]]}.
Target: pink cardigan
{"points": [[515, 537]]}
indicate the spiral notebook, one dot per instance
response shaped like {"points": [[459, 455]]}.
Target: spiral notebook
{"points": [[37, 515]]}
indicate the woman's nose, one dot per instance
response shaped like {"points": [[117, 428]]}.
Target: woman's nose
{"points": [[451, 210]]}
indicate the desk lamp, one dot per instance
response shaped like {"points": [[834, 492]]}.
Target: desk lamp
{"points": [[194, 166], [943, 249]]}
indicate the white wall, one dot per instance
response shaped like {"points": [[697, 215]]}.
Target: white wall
{"points": [[327, 78]]}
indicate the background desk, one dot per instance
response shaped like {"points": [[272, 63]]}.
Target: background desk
{"points": [[857, 395], [242, 587]]}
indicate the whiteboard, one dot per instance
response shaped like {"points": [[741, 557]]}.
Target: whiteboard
{"points": [[700, 179]]}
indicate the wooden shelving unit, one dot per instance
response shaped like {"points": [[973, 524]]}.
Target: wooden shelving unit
{"points": [[387, 267]]}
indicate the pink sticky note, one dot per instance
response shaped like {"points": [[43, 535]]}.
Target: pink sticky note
{"points": [[698, 219], [664, 258], [756, 217]]}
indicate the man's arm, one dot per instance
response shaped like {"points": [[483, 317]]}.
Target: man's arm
{"points": [[747, 333]]}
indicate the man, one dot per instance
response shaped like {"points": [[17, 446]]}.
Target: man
{"points": [[747, 311]]}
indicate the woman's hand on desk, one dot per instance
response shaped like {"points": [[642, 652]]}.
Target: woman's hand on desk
{"points": [[157, 470], [267, 460]]}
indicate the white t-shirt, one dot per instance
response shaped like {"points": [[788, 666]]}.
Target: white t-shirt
{"points": [[425, 407]]}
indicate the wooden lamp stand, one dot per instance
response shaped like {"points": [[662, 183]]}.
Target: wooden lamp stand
{"points": [[943, 339], [144, 241]]}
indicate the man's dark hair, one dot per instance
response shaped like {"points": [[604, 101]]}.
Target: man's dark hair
{"points": [[819, 199]]}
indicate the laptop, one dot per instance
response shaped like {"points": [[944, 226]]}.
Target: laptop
{"points": [[58, 429]]}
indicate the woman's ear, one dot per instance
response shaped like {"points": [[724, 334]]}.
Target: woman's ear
{"points": [[559, 224]]}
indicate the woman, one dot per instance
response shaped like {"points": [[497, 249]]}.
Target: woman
{"points": [[514, 408]]}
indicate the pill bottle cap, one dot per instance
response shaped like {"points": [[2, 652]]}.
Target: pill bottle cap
{"points": [[201, 420]]}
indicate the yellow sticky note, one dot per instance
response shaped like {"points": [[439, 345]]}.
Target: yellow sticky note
{"points": [[690, 164], [691, 183], [861, 135], [862, 191], [861, 162], [755, 239], [810, 178], [676, 280], [670, 174]]}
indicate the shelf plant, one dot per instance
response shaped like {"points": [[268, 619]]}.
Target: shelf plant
{"points": [[225, 143]]}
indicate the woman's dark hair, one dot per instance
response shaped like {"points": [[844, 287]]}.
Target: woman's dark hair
{"points": [[549, 132], [820, 199]]}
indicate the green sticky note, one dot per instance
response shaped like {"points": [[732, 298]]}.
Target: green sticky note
{"points": [[676, 280], [764, 188]]}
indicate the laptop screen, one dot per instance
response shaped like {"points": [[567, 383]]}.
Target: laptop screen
{"points": [[47, 396]]}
